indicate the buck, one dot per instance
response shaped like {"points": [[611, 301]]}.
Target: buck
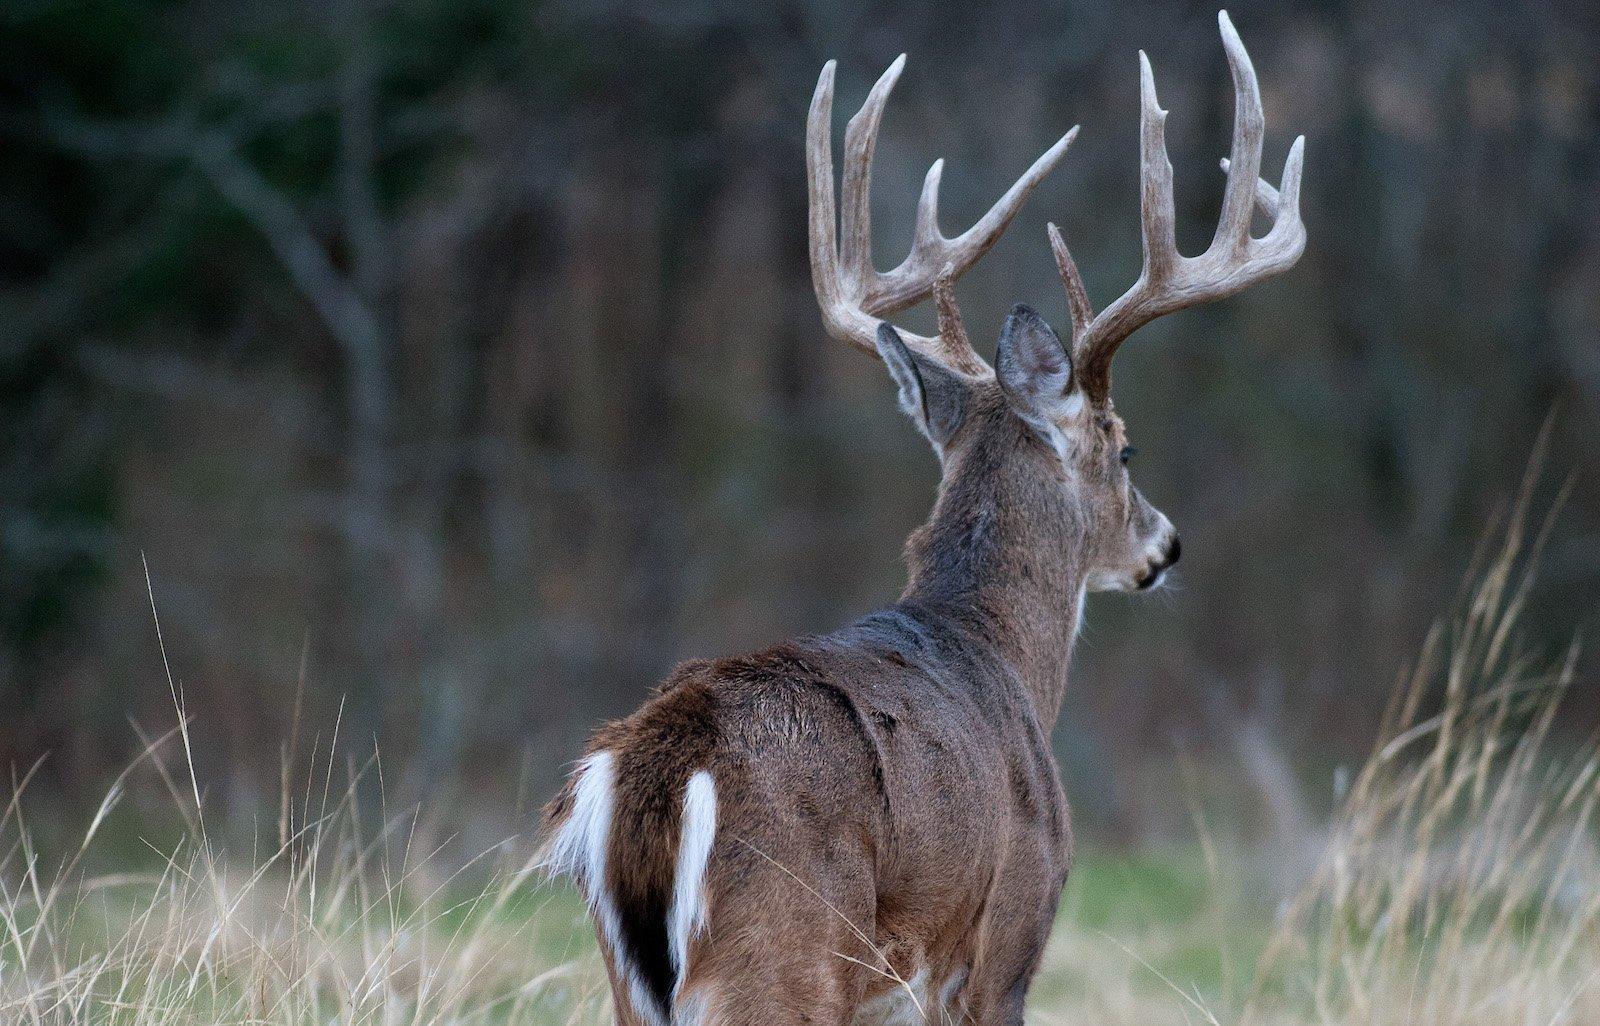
{"points": [[870, 823]]}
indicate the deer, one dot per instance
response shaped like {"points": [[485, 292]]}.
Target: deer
{"points": [[869, 825]]}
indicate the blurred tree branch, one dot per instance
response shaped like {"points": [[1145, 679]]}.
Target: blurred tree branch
{"points": [[343, 309]]}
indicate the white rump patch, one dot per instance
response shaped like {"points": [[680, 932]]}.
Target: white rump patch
{"points": [[578, 851], [697, 831]]}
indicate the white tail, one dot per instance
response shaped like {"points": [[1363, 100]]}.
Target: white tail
{"points": [[578, 849]]}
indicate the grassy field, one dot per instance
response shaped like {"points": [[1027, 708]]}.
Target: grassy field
{"points": [[1458, 881]]}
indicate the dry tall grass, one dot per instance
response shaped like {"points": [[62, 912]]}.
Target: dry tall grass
{"points": [[1462, 881], [331, 925], [1461, 884]]}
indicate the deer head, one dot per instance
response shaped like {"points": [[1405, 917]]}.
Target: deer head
{"points": [[1040, 421]]}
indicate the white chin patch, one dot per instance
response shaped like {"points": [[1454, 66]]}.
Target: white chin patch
{"points": [[1100, 581]]}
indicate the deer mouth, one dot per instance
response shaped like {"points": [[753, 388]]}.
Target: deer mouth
{"points": [[1157, 573]]}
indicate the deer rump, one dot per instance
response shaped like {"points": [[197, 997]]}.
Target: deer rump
{"points": [[858, 787]]}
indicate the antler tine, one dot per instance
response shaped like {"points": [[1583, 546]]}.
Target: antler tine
{"points": [[1249, 125], [953, 340], [1234, 260], [860, 142], [1288, 231], [1157, 214], [893, 291], [853, 295], [1266, 193], [927, 228], [1072, 282], [824, 229]]}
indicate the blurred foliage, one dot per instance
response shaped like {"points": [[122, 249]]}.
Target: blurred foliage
{"points": [[459, 358]]}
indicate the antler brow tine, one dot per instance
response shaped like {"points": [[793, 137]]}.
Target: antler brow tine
{"points": [[852, 294], [1077, 296]]}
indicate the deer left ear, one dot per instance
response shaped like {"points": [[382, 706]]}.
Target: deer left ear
{"points": [[932, 396], [1034, 369]]}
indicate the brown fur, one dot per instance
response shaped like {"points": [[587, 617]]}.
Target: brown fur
{"points": [[893, 779]]}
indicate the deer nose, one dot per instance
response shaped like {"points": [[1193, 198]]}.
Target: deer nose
{"points": [[1159, 566]]}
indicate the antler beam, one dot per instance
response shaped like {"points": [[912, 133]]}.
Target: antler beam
{"points": [[853, 294]]}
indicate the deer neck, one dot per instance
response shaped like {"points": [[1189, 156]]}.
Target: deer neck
{"points": [[985, 561]]}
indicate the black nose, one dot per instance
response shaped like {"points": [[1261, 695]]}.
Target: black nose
{"points": [[1159, 567]]}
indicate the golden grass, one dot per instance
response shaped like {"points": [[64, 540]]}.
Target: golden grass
{"points": [[1460, 884], [329, 926], [1462, 881]]}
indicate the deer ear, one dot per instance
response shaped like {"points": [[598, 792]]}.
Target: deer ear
{"points": [[933, 397], [1034, 369]]}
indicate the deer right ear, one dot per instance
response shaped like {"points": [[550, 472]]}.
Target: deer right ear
{"points": [[1034, 369], [932, 396]]}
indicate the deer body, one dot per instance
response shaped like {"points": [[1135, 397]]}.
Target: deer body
{"points": [[869, 825]]}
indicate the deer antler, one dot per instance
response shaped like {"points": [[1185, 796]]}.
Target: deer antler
{"points": [[852, 293], [1233, 262]]}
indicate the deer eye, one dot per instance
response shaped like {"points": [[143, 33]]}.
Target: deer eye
{"points": [[1127, 454]]}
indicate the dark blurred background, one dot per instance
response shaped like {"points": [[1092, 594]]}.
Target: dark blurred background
{"points": [[458, 358]]}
